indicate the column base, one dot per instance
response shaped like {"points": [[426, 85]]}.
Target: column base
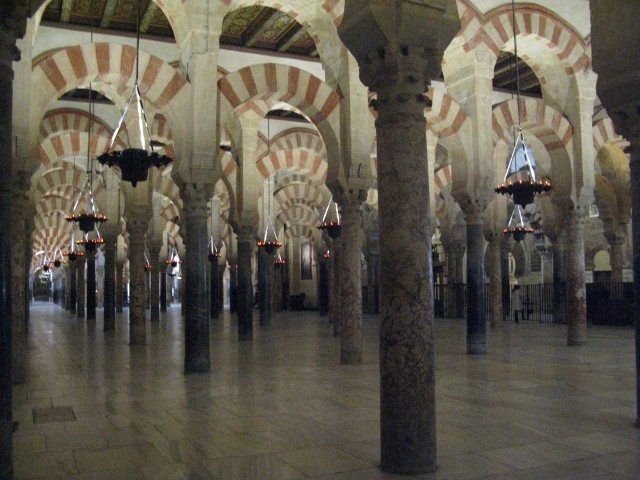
{"points": [[409, 470], [476, 346], [350, 358]]}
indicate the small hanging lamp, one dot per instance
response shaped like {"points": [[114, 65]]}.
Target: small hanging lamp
{"points": [[134, 162], [214, 252], [278, 262], [327, 255], [331, 220], [147, 263], [517, 226], [90, 242], [269, 242], [520, 180]]}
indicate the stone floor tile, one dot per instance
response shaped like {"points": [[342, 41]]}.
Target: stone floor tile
{"points": [[315, 461]]}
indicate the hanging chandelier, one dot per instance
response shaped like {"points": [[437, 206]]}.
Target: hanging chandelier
{"points": [[134, 162], [88, 219], [173, 259], [269, 242], [72, 254], [517, 227], [520, 180], [326, 255], [331, 220]]}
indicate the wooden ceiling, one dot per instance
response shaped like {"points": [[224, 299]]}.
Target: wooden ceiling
{"points": [[254, 27]]}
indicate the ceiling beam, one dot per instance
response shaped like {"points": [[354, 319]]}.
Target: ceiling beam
{"points": [[109, 10], [65, 11], [147, 16], [264, 21], [292, 36]]}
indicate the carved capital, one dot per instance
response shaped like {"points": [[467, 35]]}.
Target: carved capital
{"points": [[195, 197]]}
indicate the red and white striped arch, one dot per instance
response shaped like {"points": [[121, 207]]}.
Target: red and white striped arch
{"points": [[295, 138], [495, 29], [441, 179], [445, 116], [164, 185], [548, 125], [61, 200], [298, 193], [67, 119], [299, 231], [302, 161], [299, 214], [292, 179], [604, 132], [66, 145]]}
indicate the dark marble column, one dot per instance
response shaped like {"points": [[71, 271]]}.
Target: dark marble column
{"points": [[67, 290], [265, 268], [110, 246], [196, 295], [476, 317], [90, 256], [244, 308], [505, 249], [80, 286], [576, 289], [214, 278], [456, 300], [73, 268], [163, 287], [154, 286], [137, 228], [495, 279], [19, 279], [616, 242], [559, 280], [633, 134], [372, 276], [8, 53], [351, 285], [323, 287], [233, 286], [276, 293], [335, 302], [407, 375], [119, 286]]}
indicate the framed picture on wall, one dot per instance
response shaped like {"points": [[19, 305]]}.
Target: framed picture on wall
{"points": [[306, 250]]}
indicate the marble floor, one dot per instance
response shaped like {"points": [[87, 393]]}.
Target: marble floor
{"points": [[282, 407]]}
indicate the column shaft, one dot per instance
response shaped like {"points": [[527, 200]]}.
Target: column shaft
{"points": [[6, 105], [19, 279], [80, 287], [233, 286], [196, 295], [214, 276], [476, 317], [634, 167], [137, 278], [244, 307], [351, 285], [163, 289], [67, 290], [119, 286], [407, 376], [154, 293], [335, 312], [576, 289], [559, 282], [109, 284], [323, 286], [495, 280], [505, 248], [616, 260], [91, 284], [265, 267]]}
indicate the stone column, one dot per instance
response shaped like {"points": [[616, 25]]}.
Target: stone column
{"points": [[351, 284], [495, 279], [633, 134], [80, 286], [137, 227], [335, 303], [616, 243], [19, 279], [559, 278], [67, 290], [265, 267], [214, 278], [372, 273], [323, 286], [455, 254], [73, 283], [244, 307], [476, 318], [276, 292], [110, 245], [505, 248], [90, 256], [119, 285], [233, 286], [576, 289], [196, 293], [163, 287], [154, 286]]}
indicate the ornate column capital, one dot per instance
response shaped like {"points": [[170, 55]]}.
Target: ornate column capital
{"points": [[195, 197]]}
